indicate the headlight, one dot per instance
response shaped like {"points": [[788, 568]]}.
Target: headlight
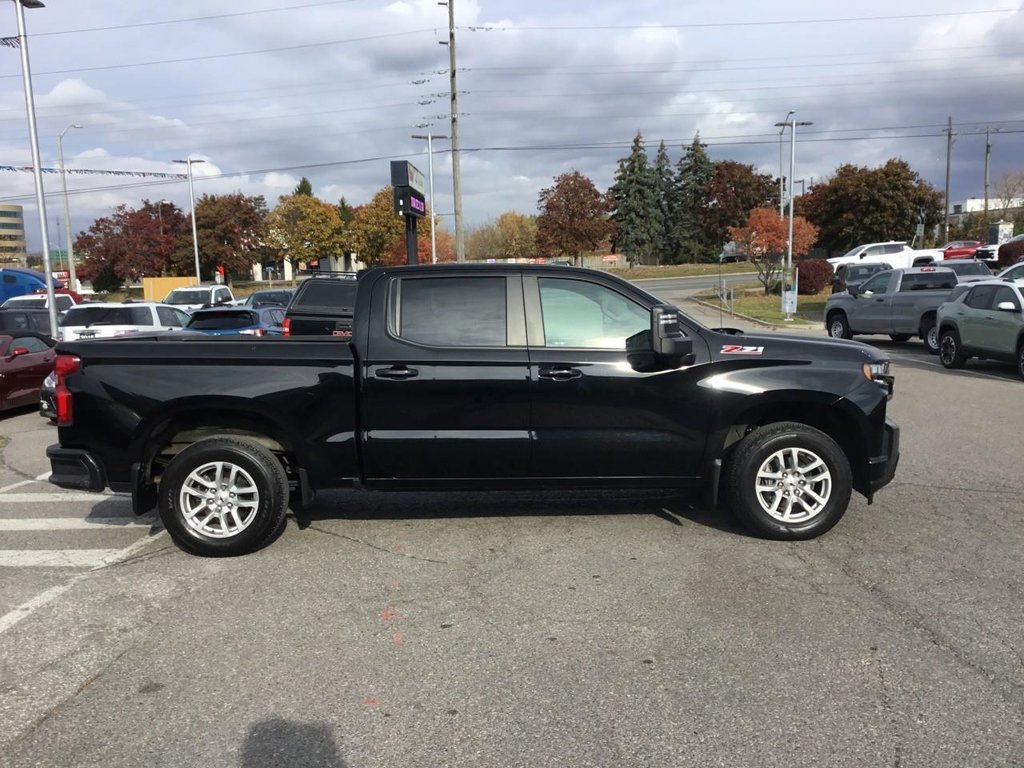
{"points": [[878, 371]]}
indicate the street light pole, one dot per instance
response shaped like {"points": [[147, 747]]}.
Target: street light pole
{"points": [[792, 174], [192, 201], [72, 280], [37, 173], [782, 186], [430, 176]]}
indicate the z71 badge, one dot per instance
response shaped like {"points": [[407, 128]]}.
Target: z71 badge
{"points": [[736, 349]]}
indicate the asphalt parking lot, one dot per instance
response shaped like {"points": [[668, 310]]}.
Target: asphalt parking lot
{"points": [[576, 629]]}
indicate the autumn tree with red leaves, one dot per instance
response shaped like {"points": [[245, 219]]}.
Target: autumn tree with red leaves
{"points": [[764, 240]]}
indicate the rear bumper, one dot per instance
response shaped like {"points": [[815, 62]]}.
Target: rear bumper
{"points": [[882, 468], [75, 468]]}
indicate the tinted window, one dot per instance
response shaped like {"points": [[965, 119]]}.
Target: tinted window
{"points": [[981, 297], [187, 296], [64, 302], [273, 317], [222, 321], [452, 311], [581, 314], [14, 321], [264, 298], [1005, 293], [31, 343], [327, 293], [969, 268], [892, 248], [170, 317], [1014, 273], [39, 303], [877, 284], [82, 315], [928, 281]]}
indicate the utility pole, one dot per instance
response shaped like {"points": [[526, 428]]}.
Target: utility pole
{"points": [[782, 179], [460, 246], [949, 159], [988, 154]]}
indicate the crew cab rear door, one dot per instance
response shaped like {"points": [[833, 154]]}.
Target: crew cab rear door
{"points": [[593, 415], [445, 384], [871, 311]]}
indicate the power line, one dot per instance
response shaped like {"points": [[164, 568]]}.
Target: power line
{"points": [[706, 25], [193, 18]]}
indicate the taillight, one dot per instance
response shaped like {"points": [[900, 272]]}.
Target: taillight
{"points": [[64, 366], [287, 325]]}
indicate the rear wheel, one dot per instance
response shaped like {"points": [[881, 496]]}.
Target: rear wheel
{"points": [[1020, 359], [223, 496], [789, 481], [930, 336], [901, 337], [950, 351], [838, 327]]}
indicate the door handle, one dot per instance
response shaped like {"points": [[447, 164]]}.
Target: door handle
{"points": [[396, 372], [560, 373]]}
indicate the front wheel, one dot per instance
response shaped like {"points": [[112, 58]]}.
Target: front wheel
{"points": [[223, 496], [930, 336], [838, 327], [950, 350], [789, 481], [1020, 360]]}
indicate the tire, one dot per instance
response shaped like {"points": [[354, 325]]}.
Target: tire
{"points": [[899, 337], [930, 336], [838, 327], [822, 471], [951, 350], [243, 517], [1020, 360]]}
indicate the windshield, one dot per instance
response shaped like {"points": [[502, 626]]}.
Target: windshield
{"points": [[187, 296], [87, 316], [970, 268], [269, 298], [850, 253], [20, 303]]}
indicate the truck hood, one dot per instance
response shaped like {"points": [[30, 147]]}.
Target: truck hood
{"points": [[784, 346]]}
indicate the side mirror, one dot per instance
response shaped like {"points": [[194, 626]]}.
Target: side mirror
{"points": [[17, 352], [853, 290], [663, 347], [1002, 306]]}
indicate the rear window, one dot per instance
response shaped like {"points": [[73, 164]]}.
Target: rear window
{"points": [[970, 268], [928, 281], [326, 293], [39, 303], [222, 321], [86, 316], [188, 296]]}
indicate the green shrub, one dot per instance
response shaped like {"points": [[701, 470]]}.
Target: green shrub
{"points": [[815, 275]]}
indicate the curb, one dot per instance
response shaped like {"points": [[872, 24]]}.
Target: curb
{"points": [[754, 320]]}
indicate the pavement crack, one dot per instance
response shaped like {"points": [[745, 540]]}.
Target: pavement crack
{"points": [[377, 547]]}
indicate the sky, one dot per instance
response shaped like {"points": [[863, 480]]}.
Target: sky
{"points": [[268, 91]]}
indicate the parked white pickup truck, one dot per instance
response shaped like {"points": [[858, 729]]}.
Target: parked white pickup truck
{"points": [[895, 252]]}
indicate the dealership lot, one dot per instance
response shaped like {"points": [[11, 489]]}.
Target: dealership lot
{"points": [[541, 629]]}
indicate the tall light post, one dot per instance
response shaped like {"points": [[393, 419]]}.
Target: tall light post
{"points": [[67, 216], [792, 174], [430, 175], [37, 173], [782, 185], [192, 201]]}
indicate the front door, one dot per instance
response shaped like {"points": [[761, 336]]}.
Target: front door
{"points": [[446, 380], [593, 415]]}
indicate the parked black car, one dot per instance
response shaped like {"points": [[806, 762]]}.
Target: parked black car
{"points": [[854, 275]]}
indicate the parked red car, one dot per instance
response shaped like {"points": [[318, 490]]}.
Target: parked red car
{"points": [[961, 249], [26, 359]]}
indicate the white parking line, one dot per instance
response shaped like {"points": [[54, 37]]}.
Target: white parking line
{"points": [[56, 558], [37, 498], [12, 486], [72, 523]]}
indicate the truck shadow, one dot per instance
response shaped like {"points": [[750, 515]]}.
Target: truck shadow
{"points": [[673, 507], [277, 741]]}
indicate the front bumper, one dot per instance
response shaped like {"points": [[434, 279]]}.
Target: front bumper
{"points": [[882, 468], [76, 469]]}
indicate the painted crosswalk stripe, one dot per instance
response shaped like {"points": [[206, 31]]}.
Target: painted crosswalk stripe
{"points": [[39, 498], [56, 558], [73, 524]]}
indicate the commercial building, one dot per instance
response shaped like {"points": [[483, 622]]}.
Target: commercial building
{"points": [[12, 236]]}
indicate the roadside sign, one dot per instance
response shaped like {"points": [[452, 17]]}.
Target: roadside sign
{"points": [[789, 302]]}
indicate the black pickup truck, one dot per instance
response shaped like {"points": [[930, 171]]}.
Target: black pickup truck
{"points": [[475, 376]]}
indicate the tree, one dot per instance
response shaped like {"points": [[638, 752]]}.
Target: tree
{"points": [[863, 205], [689, 202], [573, 217], [230, 231], [735, 190], [764, 238], [303, 228], [636, 209], [517, 235], [1009, 188], [130, 243], [304, 188], [375, 231], [664, 180]]}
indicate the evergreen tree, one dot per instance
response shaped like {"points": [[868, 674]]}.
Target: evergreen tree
{"points": [[636, 210], [663, 181], [304, 188], [690, 198]]}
